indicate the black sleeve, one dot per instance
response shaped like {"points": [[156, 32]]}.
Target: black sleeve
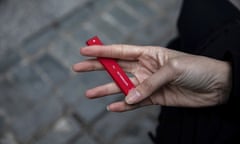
{"points": [[233, 56], [225, 45]]}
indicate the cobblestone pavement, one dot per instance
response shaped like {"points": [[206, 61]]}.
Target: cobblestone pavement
{"points": [[42, 101]]}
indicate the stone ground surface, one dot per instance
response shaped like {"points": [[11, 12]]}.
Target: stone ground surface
{"points": [[41, 100]]}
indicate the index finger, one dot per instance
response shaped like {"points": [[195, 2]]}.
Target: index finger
{"points": [[127, 52]]}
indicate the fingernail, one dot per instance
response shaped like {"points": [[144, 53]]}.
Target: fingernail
{"points": [[108, 108], [132, 96]]}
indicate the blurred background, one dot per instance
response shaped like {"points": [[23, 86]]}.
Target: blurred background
{"points": [[41, 100]]}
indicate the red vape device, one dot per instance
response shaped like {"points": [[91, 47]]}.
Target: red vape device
{"points": [[112, 67]]}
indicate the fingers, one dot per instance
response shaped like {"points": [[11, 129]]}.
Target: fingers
{"points": [[165, 75], [87, 65], [126, 52], [93, 64], [122, 106], [105, 90]]}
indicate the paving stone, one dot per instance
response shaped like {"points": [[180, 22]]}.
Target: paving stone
{"points": [[11, 99], [112, 124], [59, 8], [77, 85], [92, 79], [42, 115], [65, 52], [88, 30], [75, 19], [63, 131], [71, 90], [155, 30], [8, 59], [55, 71], [19, 20], [81, 18], [73, 93], [89, 110], [97, 7], [27, 80], [137, 131], [86, 139], [39, 41], [97, 78], [123, 18], [170, 5], [2, 124], [141, 7], [110, 31], [8, 138], [165, 39], [24, 90], [81, 35]]}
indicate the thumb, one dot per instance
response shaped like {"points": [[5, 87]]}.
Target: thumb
{"points": [[163, 76]]}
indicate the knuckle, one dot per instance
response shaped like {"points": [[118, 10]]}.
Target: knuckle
{"points": [[122, 51], [174, 64]]}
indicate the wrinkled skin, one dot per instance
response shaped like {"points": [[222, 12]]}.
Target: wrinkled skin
{"points": [[161, 76]]}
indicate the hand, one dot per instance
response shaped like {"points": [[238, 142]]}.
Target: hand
{"points": [[161, 76]]}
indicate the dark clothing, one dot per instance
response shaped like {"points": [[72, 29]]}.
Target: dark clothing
{"points": [[210, 28]]}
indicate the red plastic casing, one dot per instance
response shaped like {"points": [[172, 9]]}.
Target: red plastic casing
{"points": [[113, 68]]}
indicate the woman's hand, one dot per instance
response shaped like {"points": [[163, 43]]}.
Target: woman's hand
{"points": [[161, 76]]}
